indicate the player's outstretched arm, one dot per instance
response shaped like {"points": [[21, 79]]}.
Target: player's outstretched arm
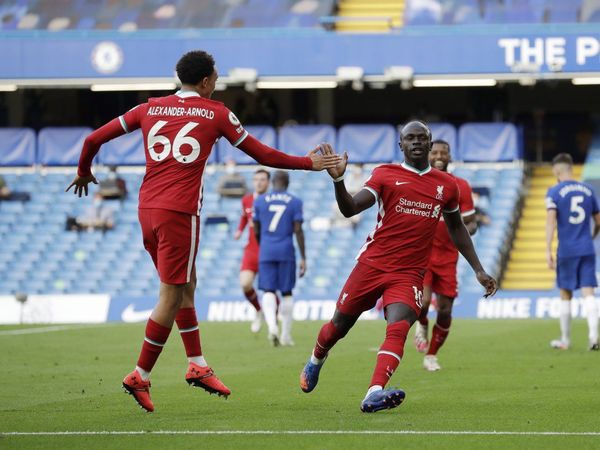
{"points": [[315, 160], [91, 145], [349, 205], [464, 244]]}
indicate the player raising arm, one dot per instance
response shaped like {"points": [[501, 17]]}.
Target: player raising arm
{"points": [[179, 132], [412, 196], [571, 205]]}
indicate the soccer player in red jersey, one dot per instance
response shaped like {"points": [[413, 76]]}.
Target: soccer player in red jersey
{"points": [[249, 267], [412, 198], [440, 277], [179, 132]]}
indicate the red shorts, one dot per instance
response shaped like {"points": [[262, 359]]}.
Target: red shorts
{"points": [[171, 238], [366, 285], [250, 261], [442, 279]]}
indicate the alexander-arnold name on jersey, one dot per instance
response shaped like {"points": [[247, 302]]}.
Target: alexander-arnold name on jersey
{"points": [[179, 111], [417, 208]]}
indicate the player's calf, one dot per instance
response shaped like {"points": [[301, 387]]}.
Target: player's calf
{"points": [[420, 340]]}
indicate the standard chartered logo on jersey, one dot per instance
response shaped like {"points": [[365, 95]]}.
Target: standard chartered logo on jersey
{"points": [[417, 208], [107, 57]]}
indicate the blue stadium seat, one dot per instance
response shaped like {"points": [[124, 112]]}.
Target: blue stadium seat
{"points": [[17, 147], [300, 139], [560, 11], [226, 151], [368, 143], [126, 150], [61, 146], [488, 142]]}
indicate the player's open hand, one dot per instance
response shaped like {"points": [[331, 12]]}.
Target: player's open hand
{"points": [[81, 184], [323, 157], [302, 268], [488, 282], [340, 168]]}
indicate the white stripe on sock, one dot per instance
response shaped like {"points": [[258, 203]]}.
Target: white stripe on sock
{"points": [[150, 341], [385, 352]]}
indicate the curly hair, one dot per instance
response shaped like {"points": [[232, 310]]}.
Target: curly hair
{"points": [[194, 66]]}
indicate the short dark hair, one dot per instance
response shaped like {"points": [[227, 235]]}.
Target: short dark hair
{"points": [[194, 66], [281, 178], [265, 171], [563, 158], [416, 122], [441, 142]]}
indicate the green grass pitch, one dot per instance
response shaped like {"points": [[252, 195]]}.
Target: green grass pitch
{"points": [[497, 376]]}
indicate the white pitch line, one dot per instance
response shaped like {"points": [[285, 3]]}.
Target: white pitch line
{"points": [[300, 432], [48, 329]]}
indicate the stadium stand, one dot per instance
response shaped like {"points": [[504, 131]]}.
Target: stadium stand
{"points": [[351, 15], [61, 146], [39, 256], [295, 139], [170, 14], [527, 267], [17, 146], [374, 143], [226, 151]]}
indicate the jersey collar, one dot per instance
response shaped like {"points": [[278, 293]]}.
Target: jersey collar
{"points": [[417, 171], [185, 94]]}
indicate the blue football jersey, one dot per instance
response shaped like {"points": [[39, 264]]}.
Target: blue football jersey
{"points": [[575, 204], [277, 212]]}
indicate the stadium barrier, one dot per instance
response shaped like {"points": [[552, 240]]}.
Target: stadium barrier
{"points": [[365, 143], [40, 309]]}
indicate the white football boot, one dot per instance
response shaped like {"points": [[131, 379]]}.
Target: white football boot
{"points": [[430, 363], [257, 323]]}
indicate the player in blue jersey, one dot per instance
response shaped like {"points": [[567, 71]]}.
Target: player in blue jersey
{"points": [[277, 218], [571, 206]]}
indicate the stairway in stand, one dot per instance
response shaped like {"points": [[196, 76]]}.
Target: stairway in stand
{"points": [[370, 16], [527, 267]]}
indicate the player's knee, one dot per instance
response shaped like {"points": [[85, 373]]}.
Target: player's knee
{"points": [[445, 310], [398, 312], [343, 322]]}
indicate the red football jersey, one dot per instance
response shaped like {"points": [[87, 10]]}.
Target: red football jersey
{"points": [[444, 251], [246, 219], [179, 132], [411, 203]]}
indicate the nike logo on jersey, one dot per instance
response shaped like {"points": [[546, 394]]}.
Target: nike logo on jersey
{"points": [[398, 183]]}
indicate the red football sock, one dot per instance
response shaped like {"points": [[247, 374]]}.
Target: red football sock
{"points": [[187, 322], [439, 334], [328, 336], [390, 352], [253, 299], [156, 337]]}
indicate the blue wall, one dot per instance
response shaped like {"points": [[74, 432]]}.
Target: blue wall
{"points": [[278, 52]]}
